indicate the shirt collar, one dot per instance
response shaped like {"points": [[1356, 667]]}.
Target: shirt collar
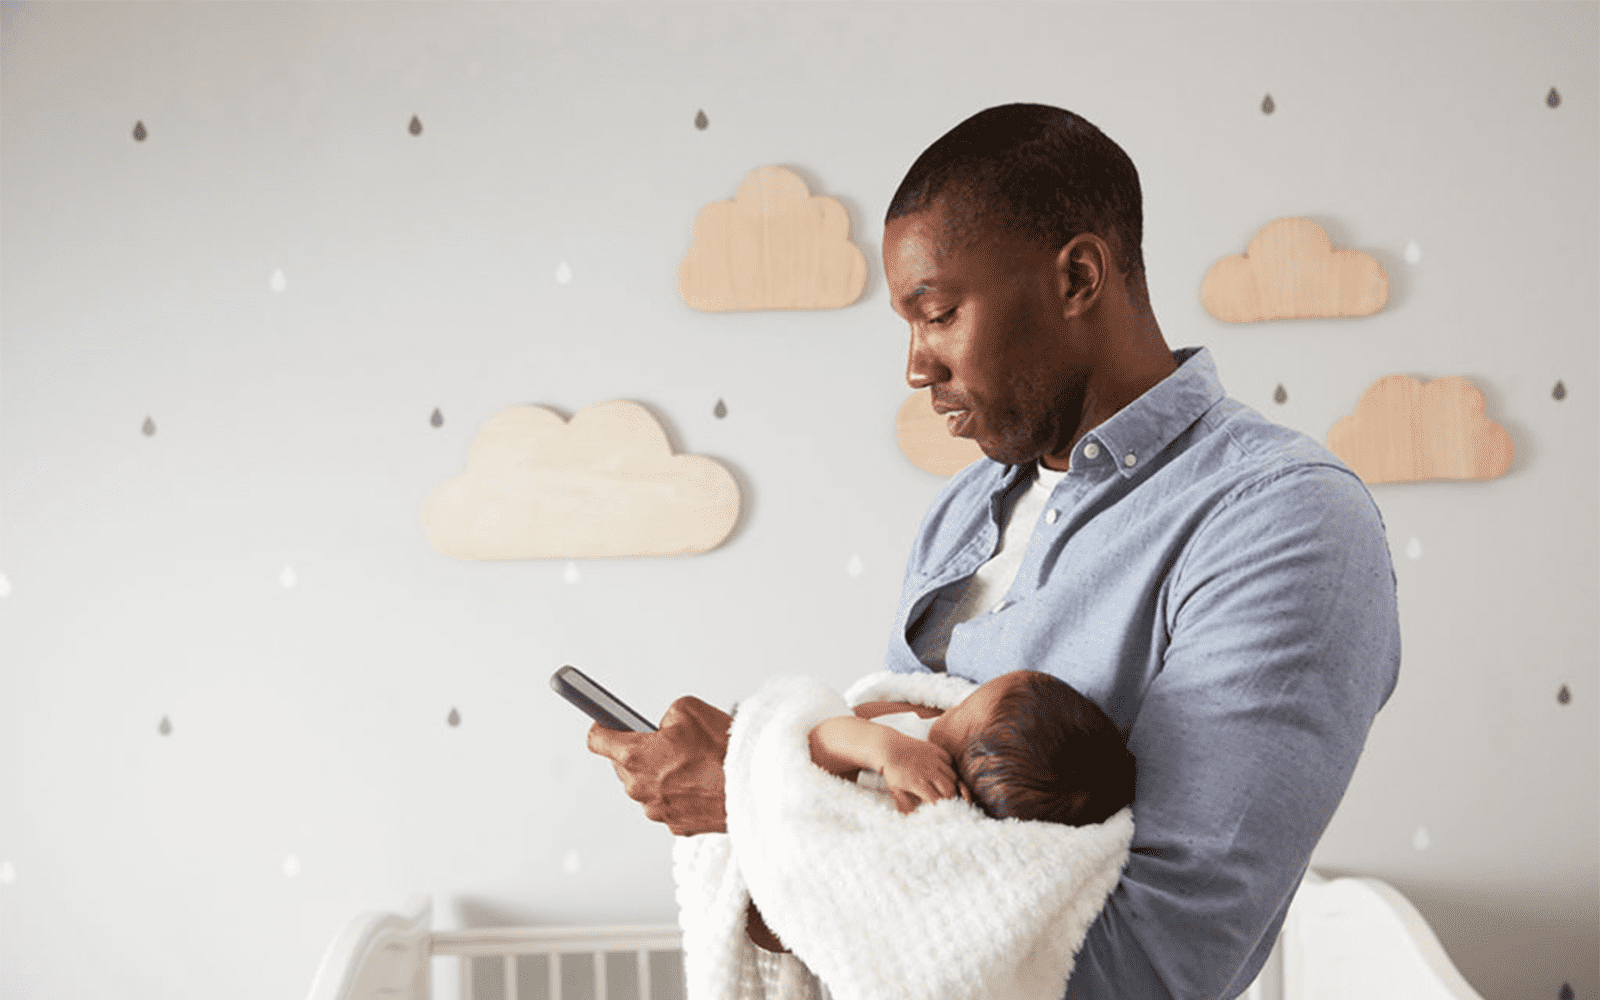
{"points": [[1147, 425]]}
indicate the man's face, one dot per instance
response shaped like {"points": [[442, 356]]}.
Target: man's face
{"points": [[987, 336]]}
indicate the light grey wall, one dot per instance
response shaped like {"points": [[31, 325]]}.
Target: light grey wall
{"points": [[310, 772]]}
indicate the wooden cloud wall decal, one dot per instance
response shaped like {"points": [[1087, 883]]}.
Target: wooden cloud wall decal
{"points": [[774, 246], [604, 484], [925, 438], [1291, 271], [1404, 430]]}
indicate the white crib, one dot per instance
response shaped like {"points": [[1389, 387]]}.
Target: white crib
{"points": [[1344, 939]]}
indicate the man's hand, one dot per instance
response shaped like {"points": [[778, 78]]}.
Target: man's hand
{"points": [[676, 772]]}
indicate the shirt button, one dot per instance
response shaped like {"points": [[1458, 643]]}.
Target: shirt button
{"points": [[1051, 515], [1128, 459], [1091, 450]]}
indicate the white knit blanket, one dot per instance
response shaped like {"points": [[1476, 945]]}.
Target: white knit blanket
{"points": [[943, 902]]}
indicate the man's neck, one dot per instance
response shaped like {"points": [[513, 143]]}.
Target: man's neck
{"points": [[1132, 367]]}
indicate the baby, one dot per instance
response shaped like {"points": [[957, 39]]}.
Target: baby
{"points": [[1025, 745]]}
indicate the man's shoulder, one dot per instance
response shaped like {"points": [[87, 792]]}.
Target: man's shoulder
{"points": [[1236, 441], [1259, 473]]}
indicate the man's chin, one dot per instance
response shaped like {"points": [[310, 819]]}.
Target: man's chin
{"points": [[1006, 454]]}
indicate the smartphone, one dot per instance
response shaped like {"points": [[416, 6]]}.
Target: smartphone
{"points": [[599, 704]]}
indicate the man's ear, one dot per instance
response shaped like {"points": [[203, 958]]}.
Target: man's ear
{"points": [[1082, 266]]}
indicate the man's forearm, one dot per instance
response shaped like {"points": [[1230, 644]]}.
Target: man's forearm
{"points": [[758, 932]]}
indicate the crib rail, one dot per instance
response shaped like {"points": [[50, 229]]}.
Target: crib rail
{"points": [[388, 956], [596, 944], [1344, 939]]}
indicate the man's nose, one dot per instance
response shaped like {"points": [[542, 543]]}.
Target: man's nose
{"points": [[922, 368]]}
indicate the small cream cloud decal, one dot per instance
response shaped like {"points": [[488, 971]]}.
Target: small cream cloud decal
{"points": [[925, 439], [1291, 271], [605, 483], [774, 246], [1404, 430]]}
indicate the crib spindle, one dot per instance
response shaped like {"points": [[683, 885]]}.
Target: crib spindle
{"points": [[464, 977], [599, 975], [645, 992], [508, 971], [555, 975]]}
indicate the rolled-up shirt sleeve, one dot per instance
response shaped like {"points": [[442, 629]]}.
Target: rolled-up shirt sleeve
{"points": [[1282, 644]]}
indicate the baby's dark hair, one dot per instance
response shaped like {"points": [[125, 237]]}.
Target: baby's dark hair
{"points": [[1048, 753]]}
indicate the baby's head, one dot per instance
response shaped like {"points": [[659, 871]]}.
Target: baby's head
{"points": [[1030, 746]]}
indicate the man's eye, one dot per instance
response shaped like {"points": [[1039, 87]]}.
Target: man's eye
{"points": [[942, 318]]}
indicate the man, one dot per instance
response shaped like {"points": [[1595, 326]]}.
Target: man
{"points": [[1220, 585]]}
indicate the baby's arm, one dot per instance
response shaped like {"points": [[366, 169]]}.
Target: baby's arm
{"points": [[847, 757], [916, 771]]}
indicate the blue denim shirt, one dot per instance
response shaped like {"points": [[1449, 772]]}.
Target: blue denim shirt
{"points": [[1222, 587]]}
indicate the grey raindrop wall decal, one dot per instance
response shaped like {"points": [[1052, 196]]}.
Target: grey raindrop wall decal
{"points": [[149, 427], [416, 125], [437, 419], [701, 121], [1560, 391], [1553, 99], [1563, 696], [1279, 395], [720, 410], [139, 133], [1566, 988], [454, 718], [1267, 107], [166, 726]]}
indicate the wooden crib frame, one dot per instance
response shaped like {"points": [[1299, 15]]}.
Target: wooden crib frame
{"points": [[1344, 939]]}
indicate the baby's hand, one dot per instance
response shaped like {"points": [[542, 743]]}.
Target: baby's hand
{"points": [[917, 771]]}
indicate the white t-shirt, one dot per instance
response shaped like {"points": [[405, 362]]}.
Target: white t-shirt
{"points": [[985, 590]]}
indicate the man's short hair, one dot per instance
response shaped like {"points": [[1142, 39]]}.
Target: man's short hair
{"points": [[1048, 753], [1031, 171]]}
